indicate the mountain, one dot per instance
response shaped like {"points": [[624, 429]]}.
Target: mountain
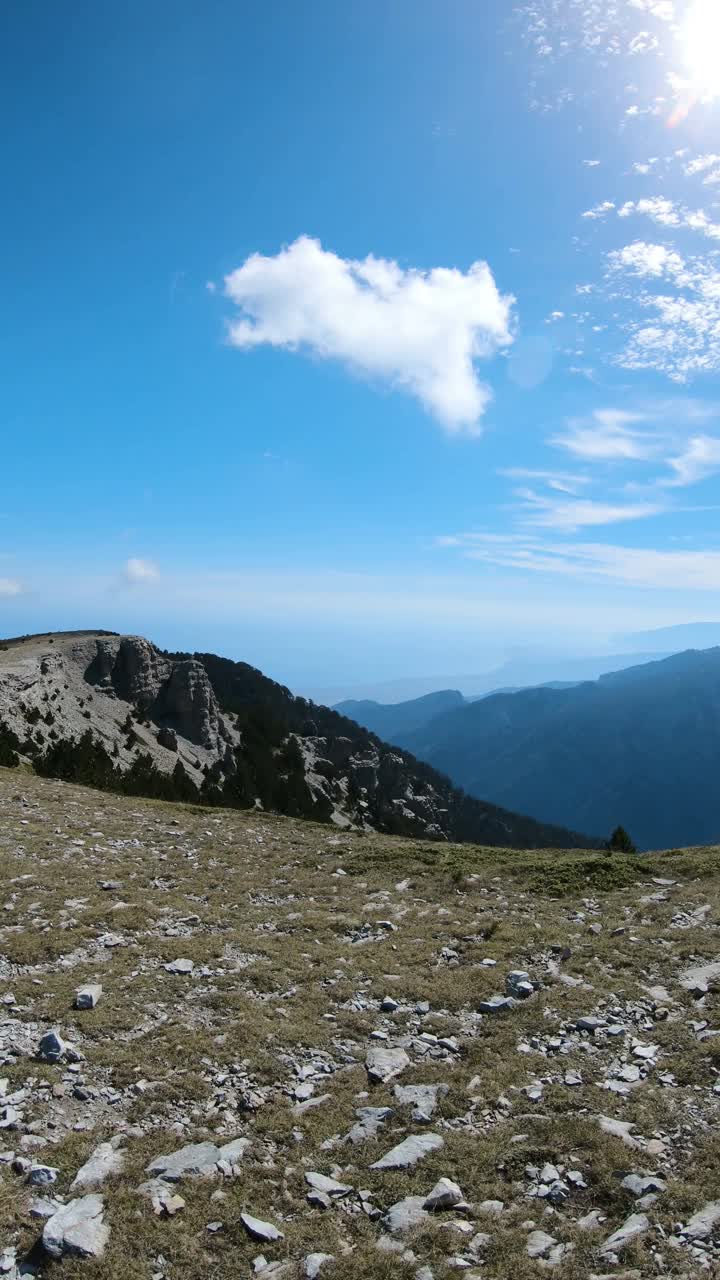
{"points": [[395, 721], [522, 669], [391, 721], [120, 714], [639, 747], [681, 637]]}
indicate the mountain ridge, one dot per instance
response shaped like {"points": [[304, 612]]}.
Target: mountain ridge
{"points": [[119, 713], [637, 746]]}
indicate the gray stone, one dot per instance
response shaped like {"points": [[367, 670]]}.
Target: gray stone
{"points": [[369, 1121], [87, 997], [200, 1159], [77, 1229], [314, 1263], [700, 978], [383, 1064], [422, 1097], [42, 1175], [497, 1004], [409, 1152], [105, 1160], [406, 1214], [492, 1207], [638, 1186], [518, 984], [444, 1195], [618, 1129], [703, 1223], [260, 1230], [180, 966], [636, 1225], [52, 1047], [590, 1023], [328, 1186], [539, 1243]]}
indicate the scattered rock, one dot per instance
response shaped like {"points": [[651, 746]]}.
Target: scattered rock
{"points": [[408, 1153], [636, 1225], [105, 1161], [444, 1195], [702, 1223], [180, 966], [383, 1064], [87, 997], [78, 1229], [539, 1243], [260, 1230]]}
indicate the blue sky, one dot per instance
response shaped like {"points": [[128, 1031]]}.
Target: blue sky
{"points": [[361, 340]]}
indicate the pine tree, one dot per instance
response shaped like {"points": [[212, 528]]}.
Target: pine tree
{"points": [[620, 842]]}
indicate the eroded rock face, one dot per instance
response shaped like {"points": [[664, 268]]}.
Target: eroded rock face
{"points": [[187, 704], [176, 695], [131, 666]]}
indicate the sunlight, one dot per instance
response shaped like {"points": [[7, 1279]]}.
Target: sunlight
{"points": [[701, 41]]}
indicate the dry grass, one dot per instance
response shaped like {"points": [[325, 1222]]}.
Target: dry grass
{"points": [[283, 978]]}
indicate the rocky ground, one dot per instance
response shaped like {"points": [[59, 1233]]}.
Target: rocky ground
{"points": [[237, 1045]]}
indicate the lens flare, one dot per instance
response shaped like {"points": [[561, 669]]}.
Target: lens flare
{"points": [[701, 44]]}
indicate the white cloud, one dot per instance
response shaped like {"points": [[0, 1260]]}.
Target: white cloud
{"points": [[643, 259], [138, 571], [600, 210], [701, 164], [655, 207], [569, 516], [554, 317], [607, 436], [560, 481], [699, 459], [419, 330], [591, 164], [668, 214], [662, 9], [690, 570], [10, 587]]}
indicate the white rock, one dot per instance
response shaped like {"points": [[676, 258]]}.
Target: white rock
{"points": [[423, 1098], [329, 1186], [179, 966], [105, 1160], [539, 1243], [383, 1064], [703, 1222], [636, 1225], [314, 1263], [78, 1228], [409, 1152], [406, 1214], [444, 1195], [87, 997], [260, 1230]]}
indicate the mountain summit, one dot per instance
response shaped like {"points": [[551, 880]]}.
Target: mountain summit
{"points": [[119, 713]]}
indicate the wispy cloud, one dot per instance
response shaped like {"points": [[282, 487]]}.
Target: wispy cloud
{"points": [[608, 435], [571, 515], [561, 481], [10, 587], [141, 571], [700, 459], [420, 331], [648, 567]]}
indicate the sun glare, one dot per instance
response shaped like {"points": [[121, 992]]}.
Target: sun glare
{"points": [[701, 41]]}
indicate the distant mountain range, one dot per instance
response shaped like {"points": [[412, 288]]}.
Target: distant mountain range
{"points": [[639, 746], [524, 669], [117, 713]]}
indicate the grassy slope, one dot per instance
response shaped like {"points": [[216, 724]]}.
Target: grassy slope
{"points": [[276, 928]]}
